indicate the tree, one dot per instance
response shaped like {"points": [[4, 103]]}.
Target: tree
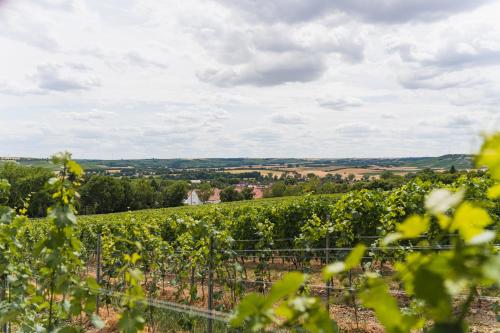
{"points": [[102, 194], [175, 194], [145, 195], [452, 169], [247, 193], [229, 194], [278, 189], [205, 192], [337, 178], [27, 183], [351, 177], [386, 174]]}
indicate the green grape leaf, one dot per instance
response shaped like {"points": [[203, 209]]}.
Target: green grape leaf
{"points": [[494, 192], [491, 269], [489, 155], [352, 260], [440, 200], [430, 287], [470, 222], [287, 286], [412, 227], [254, 307], [376, 296]]}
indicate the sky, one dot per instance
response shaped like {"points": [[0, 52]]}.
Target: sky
{"points": [[115, 79]]}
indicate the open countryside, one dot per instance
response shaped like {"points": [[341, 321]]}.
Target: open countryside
{"points": [[219, 166]]}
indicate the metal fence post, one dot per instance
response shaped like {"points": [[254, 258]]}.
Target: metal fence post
{"points": [[98, 269], [210, 284]]}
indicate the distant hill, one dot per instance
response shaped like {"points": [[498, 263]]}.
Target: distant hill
{"points": [[460, 161]]}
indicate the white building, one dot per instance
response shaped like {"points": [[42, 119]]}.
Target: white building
{"points": [[193, 199]]}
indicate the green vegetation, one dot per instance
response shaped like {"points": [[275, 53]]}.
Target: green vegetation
{"points": [[433, 279], [45, 290], [461, 161], [398, 221]]}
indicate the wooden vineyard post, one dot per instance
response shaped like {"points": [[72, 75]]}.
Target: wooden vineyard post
{"points": [[327, 261], [98, 269], [3, 296], [353, 297], [210, 284]]}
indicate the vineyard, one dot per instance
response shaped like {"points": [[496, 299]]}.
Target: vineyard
{"points": [[190, 268]]}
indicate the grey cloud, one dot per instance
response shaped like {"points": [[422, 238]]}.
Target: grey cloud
{"points": [[275, 40], [377, 11], [15, 90], [456, 122], [288, 118], [34, 35], [460, 121], [271, 55], [32, 31], [340, 104], [50, 78], [269, 72], [455, 55], [436, 80], [228, 45]]}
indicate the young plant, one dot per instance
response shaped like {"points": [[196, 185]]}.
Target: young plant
{"points": [[62, 293]]}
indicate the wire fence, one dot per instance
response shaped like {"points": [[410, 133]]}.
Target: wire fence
{"points": [[211, 280]]}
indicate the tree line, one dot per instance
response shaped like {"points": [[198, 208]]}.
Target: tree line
{"points": [[108, 194], [98, 193]]}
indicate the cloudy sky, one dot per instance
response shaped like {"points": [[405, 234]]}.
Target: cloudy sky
{"points": [[252, 78]]}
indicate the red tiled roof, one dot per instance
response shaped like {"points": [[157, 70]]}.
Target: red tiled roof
{"points": [[215, 197]]}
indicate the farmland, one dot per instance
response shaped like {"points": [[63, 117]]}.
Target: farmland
{"points": [[358, 172], [439, 162], [242, 247]]}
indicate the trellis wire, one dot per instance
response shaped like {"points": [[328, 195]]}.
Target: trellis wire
{"points": [[178, 307]]}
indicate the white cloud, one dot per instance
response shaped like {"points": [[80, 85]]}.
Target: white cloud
{"points": [[246, 78], [373, 11], [289, 118], [60, 78], [85, 116], [340, 103], [269, 71]]}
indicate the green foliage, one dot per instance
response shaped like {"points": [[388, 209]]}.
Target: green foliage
{"points": [[376, 295], [432, 279], [43, 287], [27, 183], [175, 194], [229, 194], [205, 192], [286, 306], [60, 291], [131, 318]]}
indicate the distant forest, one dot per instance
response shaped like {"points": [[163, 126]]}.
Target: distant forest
{"points": [[460, 161]]}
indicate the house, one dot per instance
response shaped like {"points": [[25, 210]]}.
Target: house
{"points": [[192, 199], [215, 197], [258, 191]]}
